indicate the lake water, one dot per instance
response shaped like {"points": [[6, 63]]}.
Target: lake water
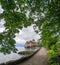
{"points": [[12, 56]]}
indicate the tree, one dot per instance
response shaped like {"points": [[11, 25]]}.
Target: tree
{"points": [[15, 18], [44, 13]]}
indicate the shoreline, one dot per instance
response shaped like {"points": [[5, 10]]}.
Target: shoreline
{"points": [[22, 59]]}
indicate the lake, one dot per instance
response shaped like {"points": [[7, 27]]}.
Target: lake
{"points": [[12, 56]]}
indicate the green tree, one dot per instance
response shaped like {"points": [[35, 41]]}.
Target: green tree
{"points": [[44, 13], [14, 14]]}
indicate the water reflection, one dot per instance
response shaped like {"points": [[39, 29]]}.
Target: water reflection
{"points": [[14, 56]]}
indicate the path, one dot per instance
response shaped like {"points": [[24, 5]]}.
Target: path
{"points": [[40, 58]]}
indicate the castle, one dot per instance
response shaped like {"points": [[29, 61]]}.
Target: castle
{"points": [[31, 43]]}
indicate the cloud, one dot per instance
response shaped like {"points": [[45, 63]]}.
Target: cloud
{"points": [[19, 40], [2, 28], [1, 10], [2, 23], [26, 34]]}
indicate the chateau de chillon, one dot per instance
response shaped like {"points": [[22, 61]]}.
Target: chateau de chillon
{"points": [[31, 43]]}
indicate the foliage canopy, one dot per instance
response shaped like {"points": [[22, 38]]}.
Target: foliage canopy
{"points": [[44, 13]]}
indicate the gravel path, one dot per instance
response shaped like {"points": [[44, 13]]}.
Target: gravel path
{"points": [[40, 58]]}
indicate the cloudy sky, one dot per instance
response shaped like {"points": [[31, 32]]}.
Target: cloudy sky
{"points": [[24, 34]]}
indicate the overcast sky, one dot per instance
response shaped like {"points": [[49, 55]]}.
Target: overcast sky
{"points": [[24, 34]]}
